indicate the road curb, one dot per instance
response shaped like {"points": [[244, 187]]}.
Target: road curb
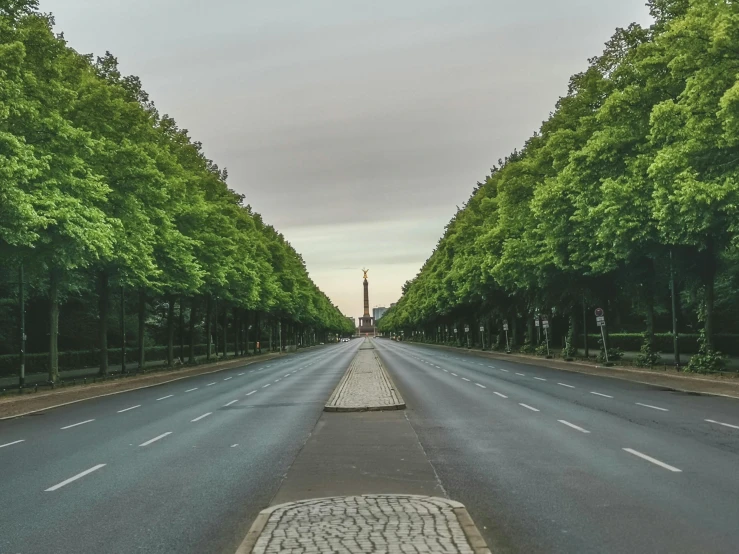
{"points": [[471, 532], [217, 370]]}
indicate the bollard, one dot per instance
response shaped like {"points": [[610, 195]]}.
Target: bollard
{"points": [[35, 388], [84, 381], [74, 382]]}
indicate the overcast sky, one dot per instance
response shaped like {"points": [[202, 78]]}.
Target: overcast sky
{"points": [[354, 127]]}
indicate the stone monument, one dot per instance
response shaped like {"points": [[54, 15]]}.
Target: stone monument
{"points": [[366, 322]]}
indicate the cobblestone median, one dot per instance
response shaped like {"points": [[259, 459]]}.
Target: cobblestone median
{"points": [[365, 386], [368, 523]]}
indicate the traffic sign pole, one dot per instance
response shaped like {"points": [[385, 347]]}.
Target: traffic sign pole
{"points": [[600, 320]]}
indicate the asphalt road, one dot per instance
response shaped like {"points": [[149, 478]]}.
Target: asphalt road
{"points": [[553, 461], [181, 467]]}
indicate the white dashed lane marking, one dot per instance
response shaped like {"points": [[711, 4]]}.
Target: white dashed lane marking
{"points": [[80, 423], [210, 384], [521, 374], [12, 443], [200, 417], [539, 379], [190, 390], [573, 426], [653, 407], [504, 370], [501, 395], [232, 402], [147, 443], [708, 420], [528, 407], [265, 386], [565, 385], [165, 397], [455, 374], [481, 386], [71, 479], [653, 460], [600, 394], [131, 408], [227, 378], [465, 379]]}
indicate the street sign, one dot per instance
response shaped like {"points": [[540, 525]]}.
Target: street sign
{"points": [[599, 312], [482, 328], [466, 328], [600, 321], [536, 322], [545, 322], [455, 330], [505, 325]]}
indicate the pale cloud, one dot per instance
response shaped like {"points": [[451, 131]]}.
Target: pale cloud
{"points": [[354, 127]]}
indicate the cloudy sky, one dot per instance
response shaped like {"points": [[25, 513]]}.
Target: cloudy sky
{"points": [[355, 127]]}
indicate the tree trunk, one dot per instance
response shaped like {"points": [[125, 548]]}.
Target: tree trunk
{"points": [[142, 323], [54, 279], [208, 317], [193, 320], [103, 302], [182, 330], [225, 332], [710, 282], [170, 330]]}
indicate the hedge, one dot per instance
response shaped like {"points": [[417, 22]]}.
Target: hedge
{"points": [[39, 363], [632, 342]]}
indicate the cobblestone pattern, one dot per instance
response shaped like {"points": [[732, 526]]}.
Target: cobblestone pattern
{"points": [[370, 523], [365, 386]]}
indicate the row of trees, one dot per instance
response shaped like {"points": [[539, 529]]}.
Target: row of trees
{"points": [[99, 191], [630, 184]]}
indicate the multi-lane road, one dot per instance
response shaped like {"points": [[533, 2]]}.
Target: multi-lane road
{"points": [[545, 460], [181, 467], [554, 461]]}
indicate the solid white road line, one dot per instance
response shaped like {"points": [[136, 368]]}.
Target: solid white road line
{"points": [[600, 394], [521, 374], [501, 395], [708, 420], [78, 476], [155, 439], [481, 386], [200, 417], [565, 385], [232, 402], [168, 396], [465, 379], [653, 407], [76, 424], [131, 408], [227, 378], [210, 384], [573, 426], [265, 386], [528, 407], [650, 459], [539, 379], [190, 390], [12, 443]]}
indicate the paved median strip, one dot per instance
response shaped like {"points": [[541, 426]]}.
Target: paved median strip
{"points": [[367, 523], [365, 386]]}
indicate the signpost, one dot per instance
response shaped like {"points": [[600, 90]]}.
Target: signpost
{"points": [[538, 329], [482, 336], [505, 328], [600, 321], [545, 324], [467, 334]]}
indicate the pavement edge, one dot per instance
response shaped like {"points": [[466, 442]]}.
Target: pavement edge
{"points": [[471, 532]]}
